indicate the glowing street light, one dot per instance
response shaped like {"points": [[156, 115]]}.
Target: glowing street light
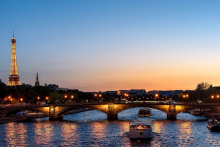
{"points": [[184, 96], [65, 96], [21, 99], [72, 96], [187, 95], [47, 98], [212, 96], [217, 96], [100, 95], [96, 95], [38, 98], [156, 95]]}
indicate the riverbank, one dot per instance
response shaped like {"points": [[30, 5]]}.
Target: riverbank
{"points": [[29, 116]]}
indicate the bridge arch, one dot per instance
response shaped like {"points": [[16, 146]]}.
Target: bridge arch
{"points": [[13, 111]]}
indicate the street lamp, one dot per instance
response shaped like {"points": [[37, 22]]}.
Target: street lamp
{"points": [[72, 96], [100, 95], [38, 98], [21, 99], [65, 96], [212, 96], [47, 98], [217, 96]]}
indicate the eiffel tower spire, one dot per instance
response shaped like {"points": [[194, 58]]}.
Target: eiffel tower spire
{"points": [[13, 78], [37, 83]]}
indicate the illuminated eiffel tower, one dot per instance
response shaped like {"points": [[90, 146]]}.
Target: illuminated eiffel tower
{"points": [[13, 78]]}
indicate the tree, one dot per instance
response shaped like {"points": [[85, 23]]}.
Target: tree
{"points": [[203, 86]]}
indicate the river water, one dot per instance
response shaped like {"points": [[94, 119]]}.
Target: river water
{"points": [[91, 128]]}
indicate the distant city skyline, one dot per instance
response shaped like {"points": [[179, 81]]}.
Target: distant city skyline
{"points": [[112, 45]]}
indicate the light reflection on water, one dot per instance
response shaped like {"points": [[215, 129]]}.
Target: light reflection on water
{"points": [[43, 133], [69, 134], [15, 134], [92, 129]]}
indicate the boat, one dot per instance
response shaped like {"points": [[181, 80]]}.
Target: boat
{"points": [[195, 112], [144, 112], [140, 130], [214, 123]]}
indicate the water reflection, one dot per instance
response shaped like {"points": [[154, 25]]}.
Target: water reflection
{"points": [[89, 129], [16, 134], [69, 134], [98, 130], [43, 133], [157, 126]]}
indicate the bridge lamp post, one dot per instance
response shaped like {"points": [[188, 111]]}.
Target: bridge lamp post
{"points": [[38, 100], [47, 98], [65, 98], [100, 95], [95, 96], [185, 96], [72, 97]]}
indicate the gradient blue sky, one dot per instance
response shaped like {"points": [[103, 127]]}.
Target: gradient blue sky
{"points": [[105, 45]]}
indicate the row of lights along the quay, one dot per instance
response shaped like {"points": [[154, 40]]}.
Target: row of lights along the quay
{"points": [[38, 98], [46, 98], [185, 95], [213, 96], [9, 98], [96, 95], [72, 96]]}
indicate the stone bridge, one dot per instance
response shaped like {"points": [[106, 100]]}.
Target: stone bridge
{"points": [[57, 111]]}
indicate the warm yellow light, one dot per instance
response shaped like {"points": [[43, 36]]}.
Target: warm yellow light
{"points": [[184, 96], [187, 95], [21, 99], [9, 96], [100, 95], [38, 98], [217, 96], [72, 96], [95, 95], [156, 95], [65, 96], [10, 99], [212, 96], [47, 98]]}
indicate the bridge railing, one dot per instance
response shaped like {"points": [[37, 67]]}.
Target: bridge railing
{"points": [[122, 102]]}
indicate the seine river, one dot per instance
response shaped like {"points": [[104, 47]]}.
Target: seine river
{"points": [[91, 128]]}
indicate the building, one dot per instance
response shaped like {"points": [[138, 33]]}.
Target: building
{"points": [[37, 83], [53, 87], [13, 78]]}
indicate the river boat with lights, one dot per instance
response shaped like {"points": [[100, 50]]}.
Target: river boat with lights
{"points": [[195, 112], [140, 130], [144, 112], [214, 123]]}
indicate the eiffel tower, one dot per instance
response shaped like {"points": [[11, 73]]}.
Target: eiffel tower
{"points": [[13, 78]]}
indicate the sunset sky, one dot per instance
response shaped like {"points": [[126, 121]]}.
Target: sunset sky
{"points": [[101, 45]]}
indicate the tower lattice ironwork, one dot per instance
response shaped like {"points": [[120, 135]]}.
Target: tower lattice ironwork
{"points": [[13, 78]]}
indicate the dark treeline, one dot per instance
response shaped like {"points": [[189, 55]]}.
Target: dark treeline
{"points": [[30, 94], [204, 92]]}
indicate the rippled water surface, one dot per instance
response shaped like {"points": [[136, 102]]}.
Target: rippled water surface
{"points": [[92, 129]]}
